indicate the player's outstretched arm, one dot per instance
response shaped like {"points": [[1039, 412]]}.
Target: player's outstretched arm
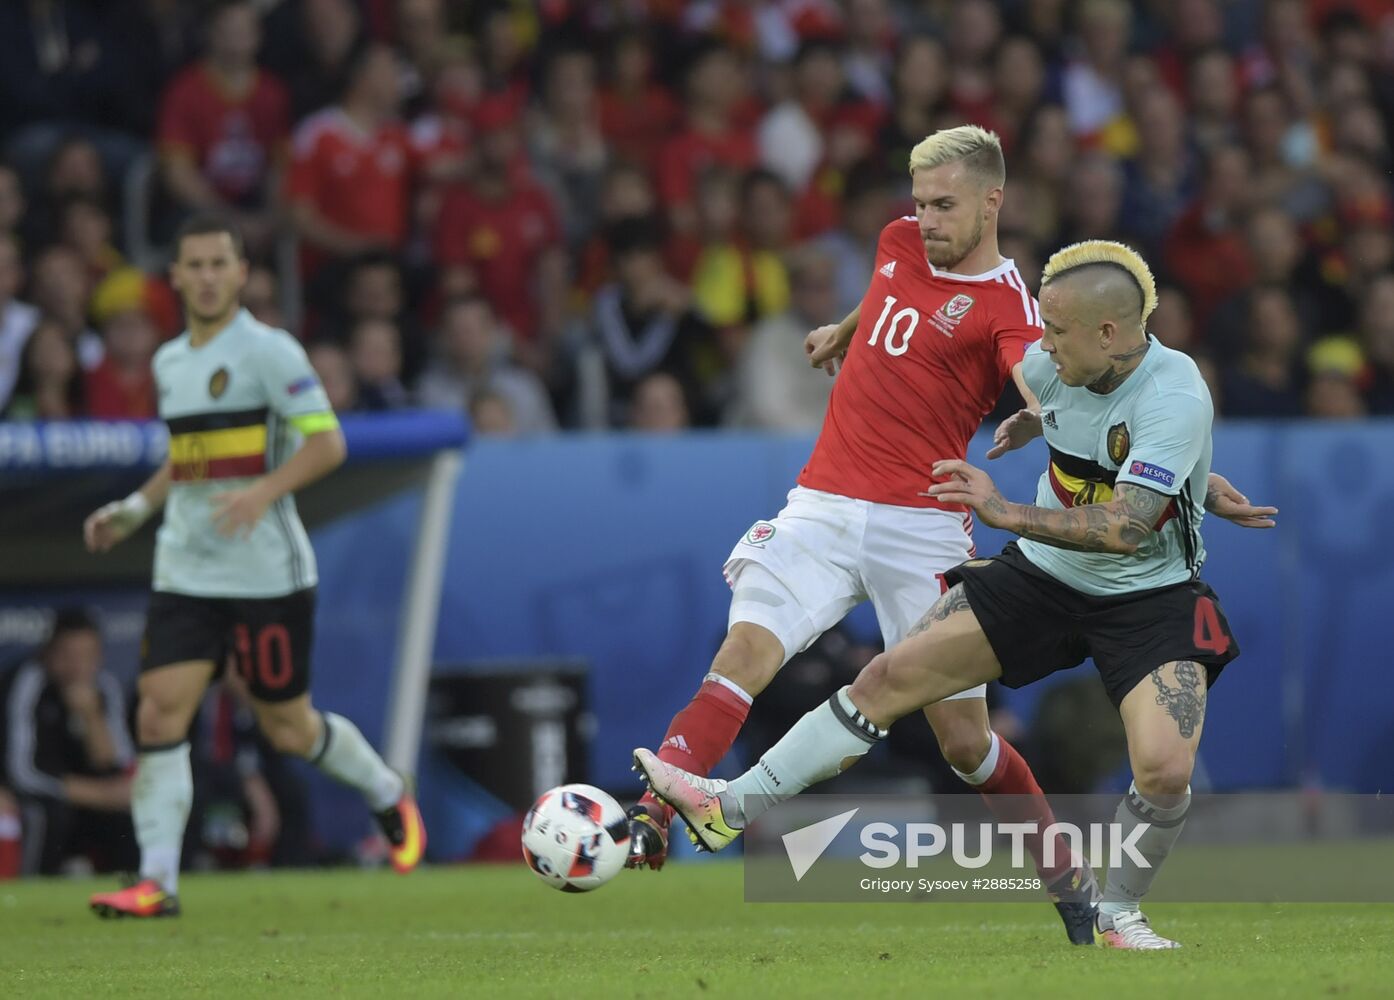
{"points": [[1119, 526], [237, 512], [119, 519], [1223, 500], [827, 345], [1017, 431]]}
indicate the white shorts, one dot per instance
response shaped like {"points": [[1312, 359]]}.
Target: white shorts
{"points": [[800, 574]]}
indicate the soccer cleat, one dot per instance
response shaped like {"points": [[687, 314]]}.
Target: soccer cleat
{"points": [[1131, 932], [146, 898], [648, 838], [696, 799], [405, 832], [1076, 898]]}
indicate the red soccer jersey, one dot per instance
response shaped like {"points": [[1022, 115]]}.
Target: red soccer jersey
{"points": [[234, 138], [930, 357], [501, 242], [356, 180]]}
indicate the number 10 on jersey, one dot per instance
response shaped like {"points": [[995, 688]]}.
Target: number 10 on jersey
{"points": [[903, 325]]}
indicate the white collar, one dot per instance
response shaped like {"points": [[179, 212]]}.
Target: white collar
{"points": [[1001, 269]]}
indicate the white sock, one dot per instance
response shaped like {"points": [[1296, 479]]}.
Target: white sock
{"points": [[817, 748], [1128, 881], [989, 764], [343, 754], [161, 796]]}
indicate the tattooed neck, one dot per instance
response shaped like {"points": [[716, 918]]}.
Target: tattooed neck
{"points": [[1120, 367]]}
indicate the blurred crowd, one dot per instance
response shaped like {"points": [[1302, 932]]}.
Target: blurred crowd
{"points": [[627, 213]]}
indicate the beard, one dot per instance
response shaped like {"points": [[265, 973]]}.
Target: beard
{"points": [[948, 254]]}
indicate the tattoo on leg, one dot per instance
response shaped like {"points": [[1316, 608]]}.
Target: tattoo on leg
{"points": [[954, 601], [1186, 702]]}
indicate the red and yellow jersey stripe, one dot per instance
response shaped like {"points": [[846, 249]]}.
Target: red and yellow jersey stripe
{"points": [[1077, 481], [228, 445]]}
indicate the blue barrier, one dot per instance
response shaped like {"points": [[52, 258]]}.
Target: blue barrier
{"points": [[610, 548]]}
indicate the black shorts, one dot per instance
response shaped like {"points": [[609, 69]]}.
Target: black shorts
{"points": [[269, 638], [1037, 625]]}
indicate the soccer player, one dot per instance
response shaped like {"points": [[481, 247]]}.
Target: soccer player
{"points": [[234, 570], [944, 323], [1107, 566]]}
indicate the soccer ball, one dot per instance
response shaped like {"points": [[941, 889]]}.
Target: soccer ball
{"points": [[575, 837]]}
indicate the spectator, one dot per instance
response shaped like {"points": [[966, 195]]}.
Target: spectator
{"points": [[66, 748], [640, 324], [473, 357], [1171, 322], [568, 149], [1093, 80], [637, 113], [921, 86], [1094, 201], [867, 59], [791, 134], [351, 174], [122, 387], [317, 43], [423, 38], [975, 27], [1332, 395], [85, 228], [500, 235], [1377, 340], [261, 296], [12, 201], [1204, 251], [1158, 182], [1212, 97], [1281, 155], [17, 319], [1265, 381], [375, 288], [1275, 250], [736, 282], [225, 128], [490, 415], [710, 134], [1040, 181], [331, 363], [626, 194], [50, 382], [73, 170], [867, 207], [375, 350], [1018, 86], [776, 387], [660, 405]]}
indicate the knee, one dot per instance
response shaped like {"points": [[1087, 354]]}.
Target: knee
{"points": [[291, 734], [1163, 776], [749, 660], [964, 743], [161, 718]]}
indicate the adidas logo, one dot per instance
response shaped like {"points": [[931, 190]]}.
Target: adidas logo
{"points": [[888, 268], [677, 743], [1049, 420]]}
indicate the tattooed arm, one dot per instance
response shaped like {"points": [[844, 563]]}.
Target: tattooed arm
{"points": [[1223, 500], [1119, 526]]}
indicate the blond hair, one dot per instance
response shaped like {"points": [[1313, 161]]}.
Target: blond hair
{"points": [[977, 147], [1104, 252]]}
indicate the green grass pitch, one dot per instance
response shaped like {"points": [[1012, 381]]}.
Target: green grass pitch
{"points": [[496, 931]]}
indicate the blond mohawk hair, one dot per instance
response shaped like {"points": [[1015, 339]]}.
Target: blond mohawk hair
{"points": [[980, 148], [1091, 252]]}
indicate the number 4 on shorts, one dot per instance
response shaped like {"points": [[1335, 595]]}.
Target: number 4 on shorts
{"points": [[1209, 635]]}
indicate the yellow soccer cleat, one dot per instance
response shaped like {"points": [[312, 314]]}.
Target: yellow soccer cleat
{"points": [[146, 898], [696, 799], [405, 832]]}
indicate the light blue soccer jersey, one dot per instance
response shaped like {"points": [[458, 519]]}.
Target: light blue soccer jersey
{"points": [[233, 406], [1153, 430]]}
